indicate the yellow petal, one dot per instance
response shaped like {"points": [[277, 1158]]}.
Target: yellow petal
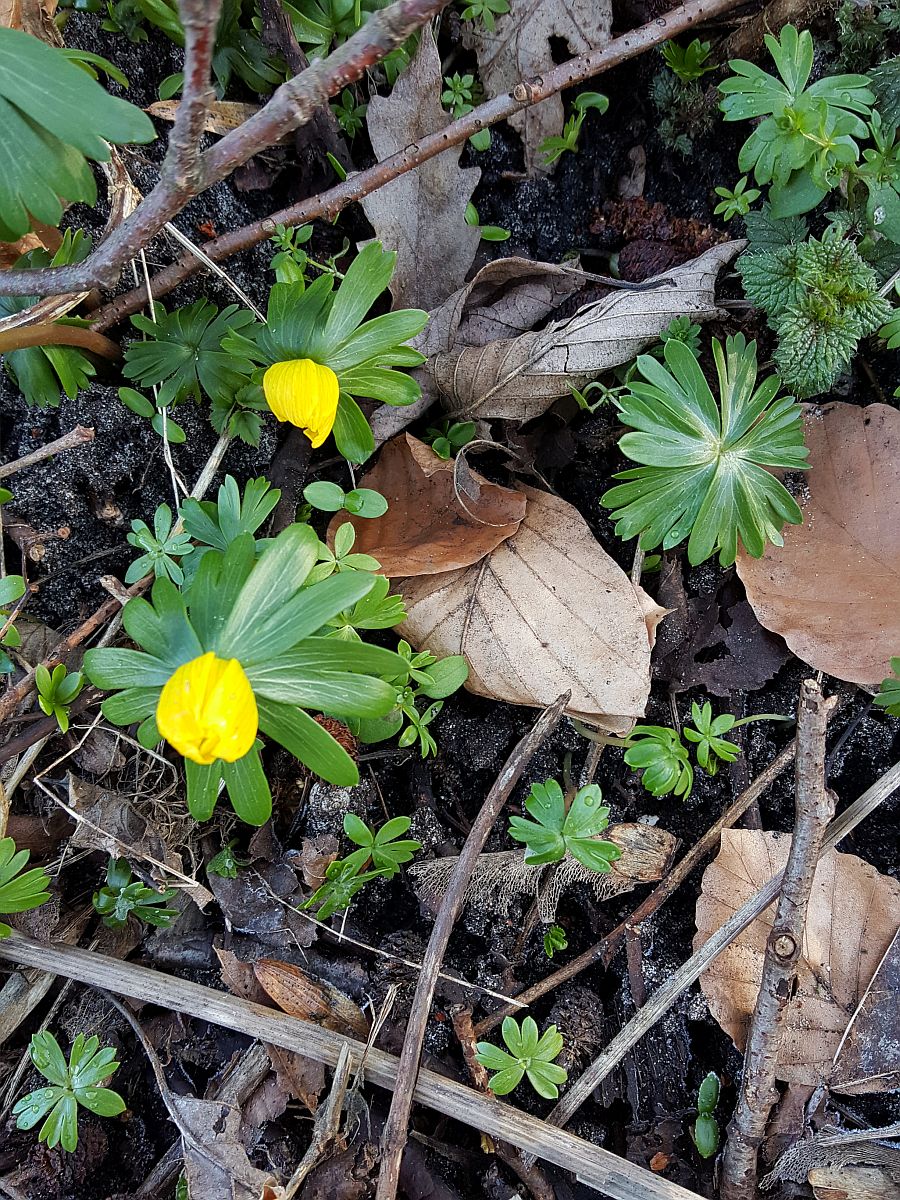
{"points": [[305, 393], [207, 710]]}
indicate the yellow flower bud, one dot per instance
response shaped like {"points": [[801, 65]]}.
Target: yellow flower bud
{"points": [[305, 393], [207, 710]]}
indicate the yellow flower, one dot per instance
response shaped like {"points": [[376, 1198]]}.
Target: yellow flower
{"points": [[305, 393], [207, 710]]}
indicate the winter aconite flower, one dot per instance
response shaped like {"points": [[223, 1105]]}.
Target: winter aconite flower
{"points": [[305, 393], [207, 710]]}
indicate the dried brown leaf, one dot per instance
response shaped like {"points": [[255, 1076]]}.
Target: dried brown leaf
{"points": [[221, 117], [868, 1060], [421, 215], [831, 590], [215, 1162], [520, 48], [854, 1183], [299, 994], [520, 378], [31, 16], [438, 519], [546, 612], [844, 943]]}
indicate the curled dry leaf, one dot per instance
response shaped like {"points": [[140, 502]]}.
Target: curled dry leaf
{"points": [[520, 378], [520, 47], [505, 298], [844, 944], [215, 1162], [221, 116], [547, 611], [441, 515], [421, 215], [831, 590], [301, 995]]}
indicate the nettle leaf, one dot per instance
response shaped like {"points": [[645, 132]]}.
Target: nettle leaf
{"points": [[703, 472]]}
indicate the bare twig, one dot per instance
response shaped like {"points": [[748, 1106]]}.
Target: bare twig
{"points": [[75, 437], [395, 1129], [815, 807], [327, 1129], [329, 204], [604, 950], [616, 1177], [58, 335], [186, 172], [689, 972]]}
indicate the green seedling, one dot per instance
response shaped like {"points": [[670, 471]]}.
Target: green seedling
{"points": [[161, 548], [360, 502], [56, 691], [124, 897], [559, 829], [529, 1055], [20, 890], [705, 1130]]}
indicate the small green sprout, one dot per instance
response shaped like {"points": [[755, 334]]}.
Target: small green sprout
{"points": [[662, 756], [12, 588], [555, 939], [342, 557], [448, 438], [688, 62], [20, 890], [160, 421], [553, 148], [705, 1130], [124, 896], [529, 1055], [350, 115], [289, 264], [73, 1084], [736, 203], [225, 864], [460, 95], [56, 692], [380, 847], [161, 548], [558, 829], [889, 696], [706, 735], [360, 502], [489, 233], [485, 11]]}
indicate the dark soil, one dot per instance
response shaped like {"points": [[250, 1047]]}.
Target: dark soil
{"points": [[82, 504]]}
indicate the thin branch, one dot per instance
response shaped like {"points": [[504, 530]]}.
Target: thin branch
{"points": [[689, 972], [618, 1178], [58, 335], [327, 1128], [75, 437], [603, 951], [186, 173], [329, 204], [396, 1126], [758, 1093]]}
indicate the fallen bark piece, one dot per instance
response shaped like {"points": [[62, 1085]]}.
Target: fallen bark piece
{"points": [[547, 611], [845, 941], [423, 214], [831, 590], [441, 514], [517, 379]]}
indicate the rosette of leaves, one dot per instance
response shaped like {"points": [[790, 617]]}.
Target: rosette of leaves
{"points": [[41, 372], [328, 326], [807, 134], [530, 1055], [53, 118], [559, 829], [383, 850], [664, 759], [161, 547], [183, 356], [263, 614], [75, 1083], [20, 890], [123, 897], [821, 298], [703, 464]]}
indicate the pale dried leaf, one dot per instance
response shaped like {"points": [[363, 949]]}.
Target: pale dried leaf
{"points": [[520, 49], [499, 879], [836, 1148], [520, 378], [854, 1183], [853, 916], [547, 612], [299, 994], [215, 1162], [831, 590], [439, 518], [31, 16], [868, 1060], [506, 297], [221, 117], [421, 215]]}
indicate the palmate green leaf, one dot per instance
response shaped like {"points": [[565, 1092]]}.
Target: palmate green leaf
{"points": [[702, 472], [52, 117]]}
